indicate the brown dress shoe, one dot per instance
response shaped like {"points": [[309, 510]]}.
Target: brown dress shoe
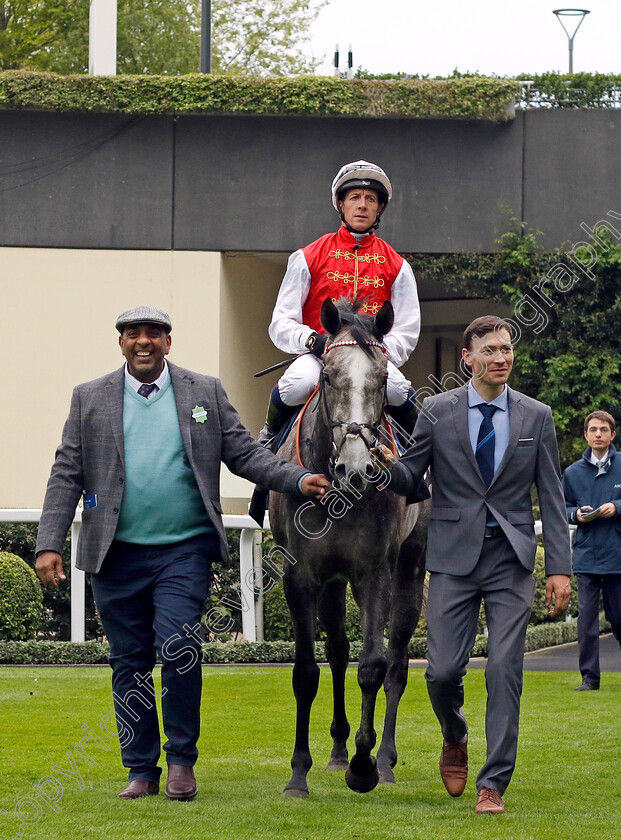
{"points": [[181, 782], [139, 788], [454, 767], [489, 802]]}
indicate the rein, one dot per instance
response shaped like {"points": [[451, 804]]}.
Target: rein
{"points": [[299, 428]]}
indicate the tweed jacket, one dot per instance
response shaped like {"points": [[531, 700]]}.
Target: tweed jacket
{"points": [[91, 459], [460, 499]]}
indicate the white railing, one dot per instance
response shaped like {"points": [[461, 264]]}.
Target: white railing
{"points": [[249, 560], [252, 619]]}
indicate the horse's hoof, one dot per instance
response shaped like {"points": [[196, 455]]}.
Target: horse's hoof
{"points": [[338, 764], [362, 775], [296, 793], [386, 777]]}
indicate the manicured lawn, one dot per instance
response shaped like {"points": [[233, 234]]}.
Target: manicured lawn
{"points": [[566, 784]]}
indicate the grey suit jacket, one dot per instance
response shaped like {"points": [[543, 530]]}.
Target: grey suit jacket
{"points": [[91, 459], [460, 499]]}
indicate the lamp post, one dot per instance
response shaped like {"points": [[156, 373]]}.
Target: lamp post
{"points": [[571, 13], [205, 66]]}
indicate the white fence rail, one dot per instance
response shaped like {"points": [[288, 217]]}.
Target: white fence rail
{"points": [[250, 569], [249, 560]]}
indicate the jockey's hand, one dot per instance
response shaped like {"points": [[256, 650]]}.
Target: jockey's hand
{"points": [[315, 485], [316, 343], [384, 455]]}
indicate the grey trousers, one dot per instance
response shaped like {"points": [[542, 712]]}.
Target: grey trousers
{"points": [[507, 590]]}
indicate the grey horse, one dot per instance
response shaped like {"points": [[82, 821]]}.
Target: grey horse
{"points": [[359, 532]]}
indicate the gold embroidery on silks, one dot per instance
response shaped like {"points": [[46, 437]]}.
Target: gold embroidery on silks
{"points": [[371, 308], [376, 282], [378, 259]]}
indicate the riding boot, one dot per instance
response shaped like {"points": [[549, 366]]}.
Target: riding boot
{"points": [[277, 415], [404, 419]]}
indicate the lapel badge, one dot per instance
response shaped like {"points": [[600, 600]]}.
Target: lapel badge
{"points": [[199, 415]]}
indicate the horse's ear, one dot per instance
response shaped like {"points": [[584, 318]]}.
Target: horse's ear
{"points": [[330, 318], [384, 319]]}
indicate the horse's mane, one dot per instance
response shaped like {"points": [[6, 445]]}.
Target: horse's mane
{"points": [[361, 326]]}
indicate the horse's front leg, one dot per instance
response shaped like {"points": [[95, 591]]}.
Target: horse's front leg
{"points": [[332, 615], [362, 774], [303, 606], [407, 594]]}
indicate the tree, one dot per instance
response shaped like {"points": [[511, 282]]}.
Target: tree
{"points": [[261, 37], [161, 36]]}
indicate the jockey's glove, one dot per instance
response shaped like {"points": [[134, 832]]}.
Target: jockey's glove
{"points": [[316, 344]]}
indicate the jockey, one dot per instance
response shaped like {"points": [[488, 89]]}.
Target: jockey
{"points": [[351, 261]]}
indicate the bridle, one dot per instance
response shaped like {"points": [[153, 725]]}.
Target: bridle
{"points": [[350, 429]]}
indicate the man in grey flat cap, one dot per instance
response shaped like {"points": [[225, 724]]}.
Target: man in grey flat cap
{"points": [[142, 446]]}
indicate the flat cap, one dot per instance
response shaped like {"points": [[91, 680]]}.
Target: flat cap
{"points": [[143, 315]]}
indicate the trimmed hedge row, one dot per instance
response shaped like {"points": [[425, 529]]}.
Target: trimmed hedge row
{"points": [[472, 98], [216, 653]]}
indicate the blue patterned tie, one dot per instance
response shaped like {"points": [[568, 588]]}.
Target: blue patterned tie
{"points": [[145, 390], [486, 443]]}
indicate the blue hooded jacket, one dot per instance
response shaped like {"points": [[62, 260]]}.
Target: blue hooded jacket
{"points": [[597, 546]]}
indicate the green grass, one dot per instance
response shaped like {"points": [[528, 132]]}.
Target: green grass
{"points": [[565, 785]]}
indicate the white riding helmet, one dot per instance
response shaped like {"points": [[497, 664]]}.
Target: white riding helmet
{"points": [[361, 173]]}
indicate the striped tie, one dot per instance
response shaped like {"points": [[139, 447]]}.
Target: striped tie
{"points": [[486, 443]]}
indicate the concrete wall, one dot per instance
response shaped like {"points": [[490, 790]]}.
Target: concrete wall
{"points": [[254, 183]]}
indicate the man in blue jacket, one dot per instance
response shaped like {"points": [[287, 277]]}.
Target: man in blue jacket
{"points": [[593, 498]]}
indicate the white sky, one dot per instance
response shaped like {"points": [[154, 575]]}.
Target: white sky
{"points": [[488, 36]]}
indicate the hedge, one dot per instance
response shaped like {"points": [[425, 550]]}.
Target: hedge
{"points": [[472, 98], [217, 653]]}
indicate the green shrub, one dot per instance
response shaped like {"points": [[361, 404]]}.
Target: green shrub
{"points": [[277, 624], [21, 601], [20, 538], [471, 98]]}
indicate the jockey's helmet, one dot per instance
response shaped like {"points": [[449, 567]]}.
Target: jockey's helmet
{"points": [[363, 174]]}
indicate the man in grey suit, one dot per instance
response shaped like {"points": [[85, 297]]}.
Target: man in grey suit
{"points": [[143, 447], [486, 445]]}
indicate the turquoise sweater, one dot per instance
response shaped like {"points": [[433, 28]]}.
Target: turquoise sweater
{"points": [[161, 502]]}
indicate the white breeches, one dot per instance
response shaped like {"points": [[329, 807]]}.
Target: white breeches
{"points": [[301, 378]]}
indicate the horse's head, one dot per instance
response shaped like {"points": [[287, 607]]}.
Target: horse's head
{"points": [[353, 386]]}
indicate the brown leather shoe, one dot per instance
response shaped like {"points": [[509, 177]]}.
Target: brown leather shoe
{"points": [[454, 767], [139, 788], [181, 782], [489, 802]]}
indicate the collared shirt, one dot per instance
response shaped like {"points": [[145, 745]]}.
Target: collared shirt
{"points": [[159, 382], [500, 421], [603, 468]]}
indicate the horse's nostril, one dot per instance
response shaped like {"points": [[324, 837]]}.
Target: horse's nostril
{"points": [[340, 471], [370, 470]]}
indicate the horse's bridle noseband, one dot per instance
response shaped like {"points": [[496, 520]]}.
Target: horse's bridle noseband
{"points": [[351, 429]]}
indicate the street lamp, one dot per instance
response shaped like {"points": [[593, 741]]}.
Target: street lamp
{"points": [[571, 13], [205, 59]]}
